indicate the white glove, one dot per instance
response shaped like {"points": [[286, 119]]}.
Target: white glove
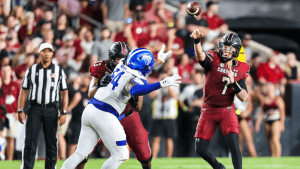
{"points": [[163, 56], [170, 81]]}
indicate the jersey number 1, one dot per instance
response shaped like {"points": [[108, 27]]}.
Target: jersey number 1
{"points": [[225, 79], [115, 78]]}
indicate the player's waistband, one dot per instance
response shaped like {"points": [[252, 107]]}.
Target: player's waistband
{"points": [[206, 106], [104, 106]]}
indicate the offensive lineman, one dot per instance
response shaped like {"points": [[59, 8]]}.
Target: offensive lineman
{"points": [[224, 78], [137, 135], [100, 117]]}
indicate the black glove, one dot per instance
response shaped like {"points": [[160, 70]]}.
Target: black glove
{"points": [[3, 110], [134, 101], [104, 81]]}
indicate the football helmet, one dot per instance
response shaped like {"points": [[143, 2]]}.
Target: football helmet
{"points": [[233, 41], [141, 59], [117, 50]]}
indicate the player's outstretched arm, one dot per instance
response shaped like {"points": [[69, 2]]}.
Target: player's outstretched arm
{"points": [[196, 35], [161, 57], [138, 90]]}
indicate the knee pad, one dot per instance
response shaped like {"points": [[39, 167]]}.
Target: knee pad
{"points": [[146, 161]]}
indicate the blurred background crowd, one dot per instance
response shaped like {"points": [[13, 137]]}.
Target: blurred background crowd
{"points": [[82, 31]]}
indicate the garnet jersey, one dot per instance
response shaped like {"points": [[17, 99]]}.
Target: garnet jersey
{"points": [[98, 70], [217, 91]]}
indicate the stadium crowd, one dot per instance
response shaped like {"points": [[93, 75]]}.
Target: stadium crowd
{"points": [[139, 23]]}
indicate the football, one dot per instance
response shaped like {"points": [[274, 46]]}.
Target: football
{"points": [[193, 9]]}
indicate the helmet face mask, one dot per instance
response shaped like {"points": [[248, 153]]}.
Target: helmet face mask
{"points": [[230, 44]]}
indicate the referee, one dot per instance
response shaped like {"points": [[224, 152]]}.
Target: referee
{"points": [[43, 82]]}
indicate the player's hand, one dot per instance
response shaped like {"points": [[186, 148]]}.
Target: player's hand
{"points": [[22, 117], [170, 81], [163, 56], [104, 81], [134, 101], [230, 75], [196, 34], [62, 119]]}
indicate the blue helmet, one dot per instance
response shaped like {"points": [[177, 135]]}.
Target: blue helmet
{"points": [[141, 59]]}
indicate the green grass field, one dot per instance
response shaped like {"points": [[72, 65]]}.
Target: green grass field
{"points": [[179, 163]]}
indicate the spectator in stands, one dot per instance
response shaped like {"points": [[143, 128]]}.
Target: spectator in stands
{"points": [[160, 16], [127, 35], [254, 63], [19, 13], [190, 101], [114, 13], [11, 91], [153, 42], [21, 69], [4, 13], [27, 47], [271, 72], [67, 50], [181, 15], [273, 108], [4, 58], [100, 48], [69, 7], [38, 14], [60, 28], [13, 23], [28, 29], [12, 45], [86, 9], [194, 23], [75, 124], [46, 17], [185, 69], [88, 41], [292, 72], [215, 22], [175, 44], [164, 117], [140, 28], [244, 112], [246, 39]]}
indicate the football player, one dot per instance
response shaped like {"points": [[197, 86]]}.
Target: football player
{"points": [[100, 117], [224, 79], [136, 134]]}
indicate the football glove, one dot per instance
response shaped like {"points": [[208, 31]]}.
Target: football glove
{"points": [[104, 81], [170, 81], [163, 56], [134, 101]]}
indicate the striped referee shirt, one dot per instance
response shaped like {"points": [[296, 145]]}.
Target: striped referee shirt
{"points": [[44, 84]]}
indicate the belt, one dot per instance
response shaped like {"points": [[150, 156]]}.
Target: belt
{"points": [[43, 105], [104, 106]]}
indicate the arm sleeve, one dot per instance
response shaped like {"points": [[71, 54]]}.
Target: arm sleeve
{"points": [[206, 63], [26, 79], [63, 84], [242, 83], [144, 89]]}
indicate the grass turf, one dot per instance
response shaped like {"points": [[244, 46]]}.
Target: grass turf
{"points": [[179, 163]]}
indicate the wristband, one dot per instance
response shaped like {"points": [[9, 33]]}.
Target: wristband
{"points": [[236, 87], [196, 41], [185, 108], [64, 112], [20, 110]]}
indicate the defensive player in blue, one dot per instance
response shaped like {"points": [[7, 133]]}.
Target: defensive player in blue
{"points": [[100, 117]]}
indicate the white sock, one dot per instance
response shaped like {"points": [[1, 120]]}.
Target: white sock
{"points": [[73, 161], [112, 163]]}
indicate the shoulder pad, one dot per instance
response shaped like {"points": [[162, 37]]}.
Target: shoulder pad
{"points": [[98, 69]]}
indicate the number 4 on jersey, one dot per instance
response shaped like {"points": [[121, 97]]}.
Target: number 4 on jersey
{"points": [[225, 79], [116, 78]]}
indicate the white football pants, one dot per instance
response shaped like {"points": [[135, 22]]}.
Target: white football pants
{"points": [[97, 124]]}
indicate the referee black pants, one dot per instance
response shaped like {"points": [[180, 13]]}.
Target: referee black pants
{"points": [[36, 117]]}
